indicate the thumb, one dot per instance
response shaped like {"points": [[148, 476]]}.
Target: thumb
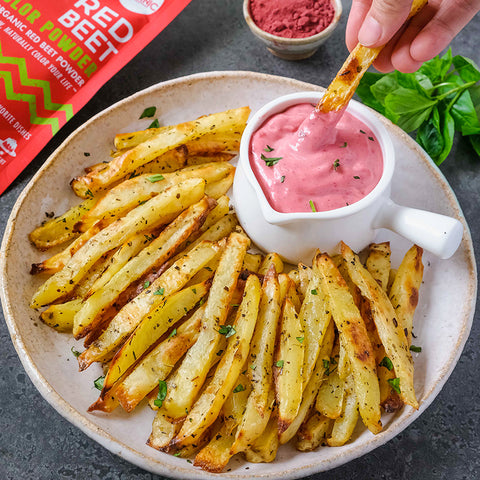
{"points": [[383, 20]]}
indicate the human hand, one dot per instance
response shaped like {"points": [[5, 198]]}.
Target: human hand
{"points": [[374, 23]]}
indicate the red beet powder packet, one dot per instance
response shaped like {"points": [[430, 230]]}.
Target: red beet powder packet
{"points": [[292, 18], [54, 56]]}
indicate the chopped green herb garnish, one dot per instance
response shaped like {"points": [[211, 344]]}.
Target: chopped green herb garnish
{"points": [[361, 131], [253, 367], [268, 148], [201, 302], [326, 366], [312, 206], [148, 112], [219, 353], [160, 291], [99, 382], [270, 162], [89, 193], [162, 393], [76, 353], [414, 348], [336, 164], [300, 339], [387, 363], [155, 178], [279, 363], [154, 124], [194, 290], [239, 388], [395, 384], [282, 179], [174, 332], [146, 284], [344, 145], [356, 177], [227, 330], [371, 139], [177, 454], [86, 154], [314, 291]]}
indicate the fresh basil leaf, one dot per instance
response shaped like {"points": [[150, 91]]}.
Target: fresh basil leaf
{"points": [[407, 108], [429, 135], [148, 112], [475, 141], [437, 68], [386, 85], [162, 393], [415, 81], [464, 114], [448, 132], [466, 68], [365, 93]]}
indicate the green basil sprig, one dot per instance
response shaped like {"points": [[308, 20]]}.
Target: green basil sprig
{"points": [[442, 97]]}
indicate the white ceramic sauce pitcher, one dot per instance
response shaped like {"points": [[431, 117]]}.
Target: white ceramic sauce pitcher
{"points": [[296, 236]]}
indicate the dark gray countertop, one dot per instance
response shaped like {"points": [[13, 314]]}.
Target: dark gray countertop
{"points": [[444, 443]]}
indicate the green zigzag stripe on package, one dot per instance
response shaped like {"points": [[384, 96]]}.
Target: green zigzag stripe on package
{"points": [[32, 103], [43, 84]]}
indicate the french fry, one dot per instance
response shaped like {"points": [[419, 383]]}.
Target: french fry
{"points": [[189, 377], [151, 328], [159, 210], [343, 86], [172, 280], [404, 290], [158, 363], [55, 263], [258, 408], [313, 433], [312, 386], [60, 316], [164, 430], [235, 404], [388, 327], [378, 262], [344, 426], [169, 139], [221, 210], [215, 456], [287, 286], [330, 396], [152, 256], [208, 405], [61, 229], [271, 259], [315, 317], [353, 334], [220, 187], [264, 448], [305, 274], [133, 192], [288, 366], [252, 262], [212, 157]]}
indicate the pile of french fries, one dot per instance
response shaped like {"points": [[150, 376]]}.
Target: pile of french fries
{"points": [[234, 351]]}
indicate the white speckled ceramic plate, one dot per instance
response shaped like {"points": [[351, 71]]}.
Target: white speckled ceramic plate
{"points": [[442, 320]]}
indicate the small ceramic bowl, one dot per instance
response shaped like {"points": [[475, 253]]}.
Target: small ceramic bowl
{"points": [[296, 236], [292, 48]]}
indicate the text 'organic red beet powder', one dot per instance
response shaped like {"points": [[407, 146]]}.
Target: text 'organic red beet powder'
{"points": [[292, 18]]}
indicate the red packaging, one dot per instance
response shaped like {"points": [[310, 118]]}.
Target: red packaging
{"points": [[54, 56]]}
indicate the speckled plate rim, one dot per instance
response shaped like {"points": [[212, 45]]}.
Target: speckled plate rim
{"points": [[338, 456]]}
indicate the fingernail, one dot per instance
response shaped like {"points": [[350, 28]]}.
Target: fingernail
{"points": [[370, 32]]}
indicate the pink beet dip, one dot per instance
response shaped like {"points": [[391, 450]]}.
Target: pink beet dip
{"points": [[305, 161]]}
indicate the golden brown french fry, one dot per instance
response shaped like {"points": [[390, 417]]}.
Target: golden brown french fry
{"points": [[208, 405], [159, 210], [388, 327], [288, 366], [312, 386], [378, 262], [260, 362], [343, 363], [344, 426], [264, 448], [189, 377], [135, 191], [123, 141], [221, 187], [313, 433], [169, 139], [330, 395], [215, 456], [271, 259], [287, 286], [164, 430], [152, 256], [354, 336], [158, 363], [404, 290], [221, 209], [151, 328], [60, 316], [304, 274], [172, 280], [343, 86], [61, 229], [252, 262], [55, 263], [211, 157]]}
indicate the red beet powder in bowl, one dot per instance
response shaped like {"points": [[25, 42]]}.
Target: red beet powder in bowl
{"points": [[292, 18]]}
